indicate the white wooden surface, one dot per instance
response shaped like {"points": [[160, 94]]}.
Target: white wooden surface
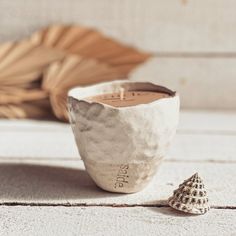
{"points": [[201, 82], [67, 183], [212, 132], [44, 189], [179, 26], [193, 42], [100, 221]]}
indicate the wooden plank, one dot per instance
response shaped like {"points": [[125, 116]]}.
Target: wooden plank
{"points": [[55, 144], [203, 147], [66, 182], [28, 125], [158, 26], [191, 121], [113, 221], [201, 82], [61, 145], [207, 121], [45, 142]]}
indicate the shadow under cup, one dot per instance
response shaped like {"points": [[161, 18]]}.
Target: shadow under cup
{"points": [[122, 147]]}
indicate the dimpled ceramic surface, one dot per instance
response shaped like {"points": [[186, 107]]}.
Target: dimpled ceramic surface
{"points": [[122, 147]]}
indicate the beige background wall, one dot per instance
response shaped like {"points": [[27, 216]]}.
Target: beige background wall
{"points": [[194, 42]]}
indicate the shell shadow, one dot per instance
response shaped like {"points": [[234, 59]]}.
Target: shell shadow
{"points": [[28, 182], [165, 210]]}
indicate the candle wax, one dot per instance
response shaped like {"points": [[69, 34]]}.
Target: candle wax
{"points": [[127, 98]]}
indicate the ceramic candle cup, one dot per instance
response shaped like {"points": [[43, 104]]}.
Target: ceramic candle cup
{"points": [[122, 147]]}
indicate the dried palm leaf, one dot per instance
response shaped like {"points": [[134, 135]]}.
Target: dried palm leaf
{"points": [[22, 80], [52, 61], [36, 110], [90, 43], [58, 99], [70, 72], [25, 57], [16, 95], [4, 49]]}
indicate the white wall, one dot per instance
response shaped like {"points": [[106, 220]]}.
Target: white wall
{"points": [[194, 42]]}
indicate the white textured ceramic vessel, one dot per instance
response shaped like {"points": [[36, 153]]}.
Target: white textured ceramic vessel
{"points": [[122, 146]]}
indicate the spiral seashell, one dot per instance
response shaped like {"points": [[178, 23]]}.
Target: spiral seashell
{"points": [[190, 197]]}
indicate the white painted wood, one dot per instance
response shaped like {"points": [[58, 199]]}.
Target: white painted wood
{"points": [[159, 26], [203, 147], [191, 121], [61, 145], [201, 82], [28, 125], [207, 121], [98, 221], [171, 28], [49, 141], [38, 144], [168, 28], [66, 182]]}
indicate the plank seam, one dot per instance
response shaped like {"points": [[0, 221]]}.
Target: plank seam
{"points": [[179, 131], [206, 132], [99, 205], [202, 161], [195, 55], [54, 159]]}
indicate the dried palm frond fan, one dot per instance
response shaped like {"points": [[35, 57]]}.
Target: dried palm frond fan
{"points": [[62, 75], [36, 74], [21, 68]]}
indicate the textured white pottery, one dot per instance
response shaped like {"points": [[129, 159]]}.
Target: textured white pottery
{"points": [[122, 146]]}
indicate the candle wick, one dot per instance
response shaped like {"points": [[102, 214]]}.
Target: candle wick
{"points": [[122, 93]]}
